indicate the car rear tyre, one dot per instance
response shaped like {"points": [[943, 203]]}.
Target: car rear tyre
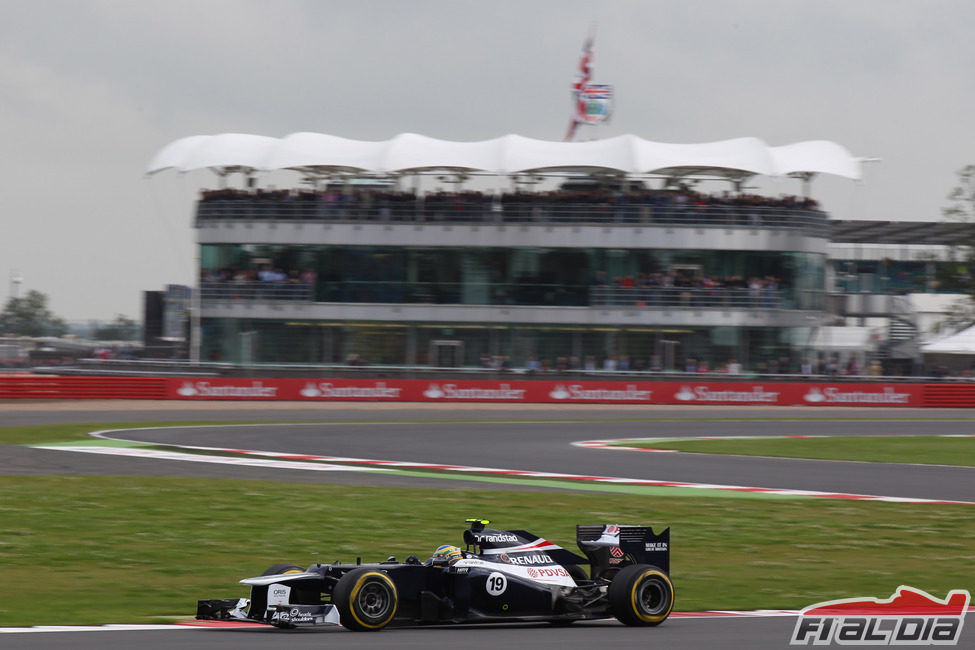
{"points": [[641, 594], [366, 600], [279, 569]]}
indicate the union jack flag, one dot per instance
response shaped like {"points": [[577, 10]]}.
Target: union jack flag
{"points": [[582, 78]]}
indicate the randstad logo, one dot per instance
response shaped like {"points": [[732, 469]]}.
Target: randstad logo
{"points": [[909, 617]]}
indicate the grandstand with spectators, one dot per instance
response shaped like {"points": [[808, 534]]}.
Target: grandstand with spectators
{"points": [[509, 253]]}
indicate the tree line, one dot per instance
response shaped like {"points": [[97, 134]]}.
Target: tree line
{"points": [[30, 316]]}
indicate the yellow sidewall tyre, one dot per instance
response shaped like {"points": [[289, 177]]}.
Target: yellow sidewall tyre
{"points": [[641, 594], [366, 600]]}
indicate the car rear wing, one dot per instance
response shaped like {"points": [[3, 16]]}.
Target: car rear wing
{"points": [[610, 545]]}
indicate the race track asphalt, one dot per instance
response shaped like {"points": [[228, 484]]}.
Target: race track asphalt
{"points": [[523, 438]]}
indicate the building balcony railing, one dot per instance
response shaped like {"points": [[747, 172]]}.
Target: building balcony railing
{"points": [[500, 294], [257, 290], [688, 297], [810, 222]]}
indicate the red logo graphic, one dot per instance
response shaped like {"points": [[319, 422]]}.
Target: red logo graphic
{"points": [[909, 616], [906, 601], [616, 551]]}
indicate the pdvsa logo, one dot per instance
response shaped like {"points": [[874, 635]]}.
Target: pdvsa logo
{"points": [[909, 617], [548, 572]]}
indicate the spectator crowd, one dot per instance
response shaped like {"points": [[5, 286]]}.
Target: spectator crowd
{"points": [[264, 282], [668, 206], [675, 288]]}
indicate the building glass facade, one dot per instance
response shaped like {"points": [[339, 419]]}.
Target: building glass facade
{"points": [[516, 276], [664, 291]]}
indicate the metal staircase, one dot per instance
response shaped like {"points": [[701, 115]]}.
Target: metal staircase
{"points": [[903, 334]]}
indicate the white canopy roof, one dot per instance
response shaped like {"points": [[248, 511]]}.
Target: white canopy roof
{"points": [[845, 337], [962, 342], [510, 154]]}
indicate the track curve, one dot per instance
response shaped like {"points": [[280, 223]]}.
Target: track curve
{"points": [[523, 439], [546, 446]]}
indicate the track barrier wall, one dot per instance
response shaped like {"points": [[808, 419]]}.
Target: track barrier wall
{"points": [[45, 387], [525, 391]]}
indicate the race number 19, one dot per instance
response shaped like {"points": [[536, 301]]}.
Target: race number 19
{"points": [[496, 584]]}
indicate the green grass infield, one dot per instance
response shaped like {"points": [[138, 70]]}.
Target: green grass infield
{"points": [[926, 450]]}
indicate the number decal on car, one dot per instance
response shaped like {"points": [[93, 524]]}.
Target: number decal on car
{"points": [[496, 584]]}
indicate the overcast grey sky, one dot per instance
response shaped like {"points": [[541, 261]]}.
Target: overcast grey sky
{"points": [[91, 90]]}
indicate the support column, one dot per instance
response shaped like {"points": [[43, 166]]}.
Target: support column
{"points": [[410, 359]]}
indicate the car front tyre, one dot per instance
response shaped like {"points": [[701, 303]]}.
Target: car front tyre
{"points": [[366, 600]]}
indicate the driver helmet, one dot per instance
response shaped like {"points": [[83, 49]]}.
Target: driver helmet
{"points": [[446, 554]]}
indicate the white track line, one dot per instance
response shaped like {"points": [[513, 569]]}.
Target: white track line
{"points": [[308, 462]]}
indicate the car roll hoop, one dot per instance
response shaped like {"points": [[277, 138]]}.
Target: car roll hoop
{"points": [[476, 526]]}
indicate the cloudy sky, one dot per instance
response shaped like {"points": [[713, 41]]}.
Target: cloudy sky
{"points": [[91, 90]]}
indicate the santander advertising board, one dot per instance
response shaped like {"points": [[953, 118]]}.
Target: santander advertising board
{"points": [[582, 391]]}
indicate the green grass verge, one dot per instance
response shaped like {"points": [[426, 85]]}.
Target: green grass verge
{"points": [[124, 549], [928, 450]]}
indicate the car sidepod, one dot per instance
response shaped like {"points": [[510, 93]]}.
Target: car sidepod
{"points": [[489, 591]]}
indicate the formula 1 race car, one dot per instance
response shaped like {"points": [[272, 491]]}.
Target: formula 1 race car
{"points": [[502, 576]]}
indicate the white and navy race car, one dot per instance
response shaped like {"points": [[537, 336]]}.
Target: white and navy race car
{"points": [[502, 576]]}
